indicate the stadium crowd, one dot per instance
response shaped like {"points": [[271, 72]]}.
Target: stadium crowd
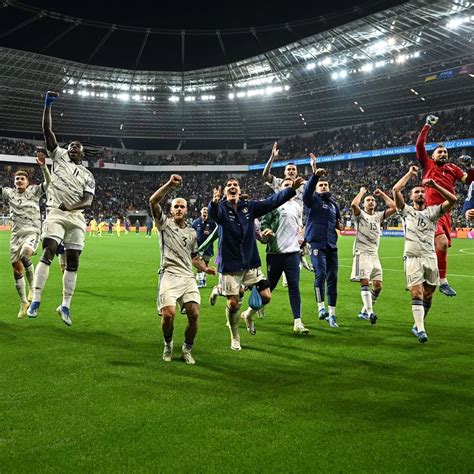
{"points": [[403, 131], [120, 193]]}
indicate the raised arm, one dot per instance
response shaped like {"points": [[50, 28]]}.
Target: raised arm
{"points": [[421, 154], [266, 171], [450, 198], [266, 205], [389, 202], [156, 211], [50, 138], [400, 185], [213, 207], [355, 204], [41, 161]]}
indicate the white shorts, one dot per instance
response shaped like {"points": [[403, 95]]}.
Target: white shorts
{"points": [[18, 240], [69, 227], [420, 270], [231, 283], [366, 267], [176, 289]]}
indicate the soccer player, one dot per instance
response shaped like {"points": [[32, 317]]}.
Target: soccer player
{"points": [[137, 227], [100, 227], [276, 183], [468, 208], [420, 224], [320, 232], [70, 192], [204, 228], [366, 266], [92, 227], [149, 226], [176, 281], [239, 261], [25, 218], [126, 223], [118, 229], [281, 227], [445, 174]]}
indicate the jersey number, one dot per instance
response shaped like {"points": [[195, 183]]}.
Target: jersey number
{"points": [[421, 223], [76, 173], [373, 226], [185, 240]]}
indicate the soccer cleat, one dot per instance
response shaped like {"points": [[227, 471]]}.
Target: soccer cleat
{"points": [[187, 357], [23, 309], [332, 321], [363, 316], [33, 309], [30, 295], [422, 337], [64, 314], [249, 322], [414, 330], [447, 290], [214, 295], [373, 318], [168, 352], [235, 344], [323, 314], [300, 328]]}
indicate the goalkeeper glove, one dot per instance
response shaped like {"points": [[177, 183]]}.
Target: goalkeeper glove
{"points": [[50, 97], [432, 120]]}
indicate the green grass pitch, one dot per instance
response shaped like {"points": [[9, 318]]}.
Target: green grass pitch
{"points": [[361, 398]]}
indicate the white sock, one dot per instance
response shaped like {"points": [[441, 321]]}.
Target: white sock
{"points": [[321, 306], [366, 299], [233, 319], [41, 276], [30, 274], [332, 310], [418, 311], [442, 281], [69, 285], [21, 289], [297, 322]]}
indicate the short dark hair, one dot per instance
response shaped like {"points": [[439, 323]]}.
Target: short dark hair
{"points": [[290, 164], [23, 173], [231, 179], [439, 145]]}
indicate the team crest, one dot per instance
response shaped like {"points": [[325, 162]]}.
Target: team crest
{"points": [[315, 252]]}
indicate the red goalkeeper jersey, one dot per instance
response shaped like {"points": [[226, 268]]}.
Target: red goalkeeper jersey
{"points": [[444, 175]]}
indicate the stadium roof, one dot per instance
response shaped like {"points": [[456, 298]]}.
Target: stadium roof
{"points": [[416, 57]]}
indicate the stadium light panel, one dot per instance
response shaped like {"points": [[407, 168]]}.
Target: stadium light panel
{"points": [[208, 97], [287, 87], [310, 66], [367, 67], [240, 94], [456, 22], [189, 98], [125, 97], [173, 98], [342, 74], [334, 75], [70, 91], [231, 96]]}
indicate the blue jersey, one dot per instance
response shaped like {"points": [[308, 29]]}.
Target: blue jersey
{"points": [[323, 217], [203, 230], [149, 223], [236, 228]]}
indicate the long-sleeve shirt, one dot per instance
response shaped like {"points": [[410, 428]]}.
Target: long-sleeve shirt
{"points": [[323, 217], [469, 202], [237, 249], [445, 175]]}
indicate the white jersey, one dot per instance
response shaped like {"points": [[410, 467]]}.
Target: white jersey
{"points": [[419, 228], [69, 181], [275, 184], [24, 207], [368, 232], [177, 246]]}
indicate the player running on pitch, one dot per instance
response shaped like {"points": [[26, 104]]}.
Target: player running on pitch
{"points": [[366, 266], [445, 174], [178, 248], [70, 192], [25, 217], [419, 224]]}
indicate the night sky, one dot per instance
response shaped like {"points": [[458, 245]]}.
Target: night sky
{"points": [[163, 52]]}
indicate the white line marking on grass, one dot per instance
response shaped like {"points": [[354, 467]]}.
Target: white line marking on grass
{"points": [[465, 251]]}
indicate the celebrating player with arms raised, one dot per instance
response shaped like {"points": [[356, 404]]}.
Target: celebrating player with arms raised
{"points": [[176, 282], [444, 174], [25, 216], [366, 266], [419, 223], [70, 192]]}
